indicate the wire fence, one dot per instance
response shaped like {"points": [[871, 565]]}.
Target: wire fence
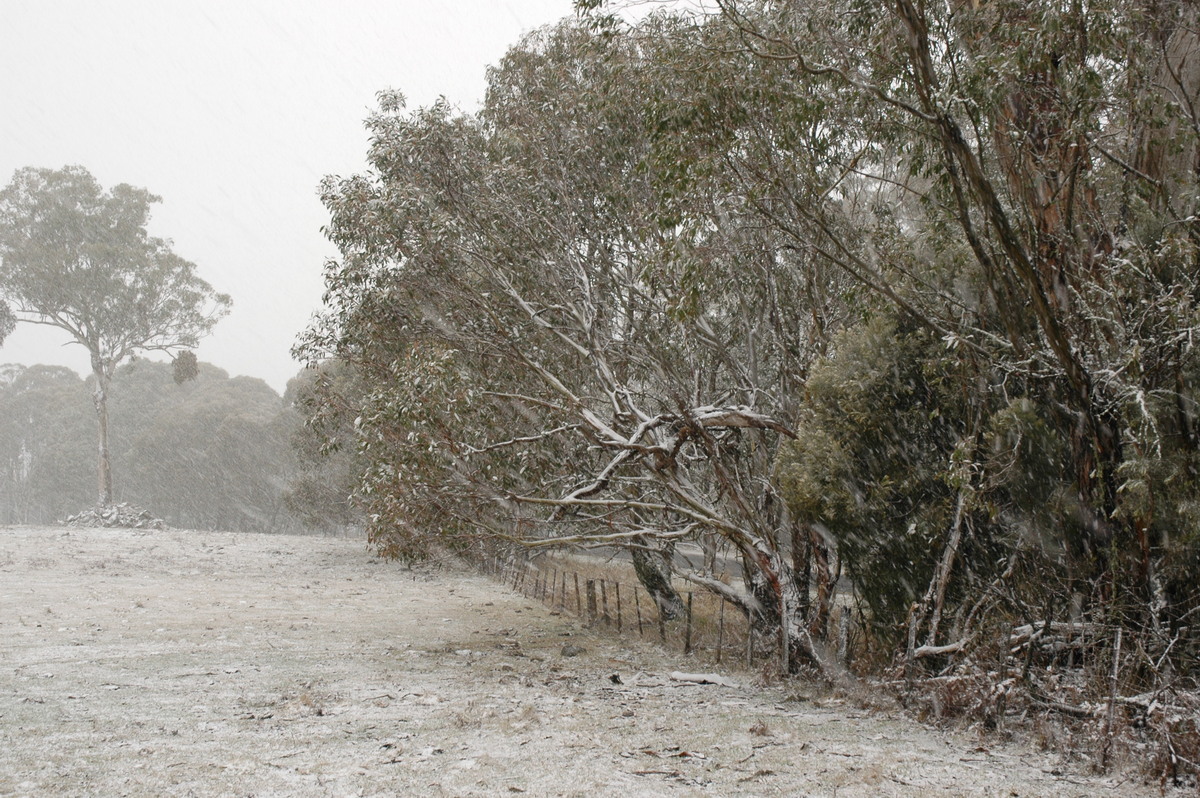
{"points": [[709, 628]]}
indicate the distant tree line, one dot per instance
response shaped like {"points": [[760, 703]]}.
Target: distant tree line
{"points": [[185, 441], [904, 294], [212, 452]]}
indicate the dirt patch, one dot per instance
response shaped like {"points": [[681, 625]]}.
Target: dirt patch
{"points": [[140, 663]]}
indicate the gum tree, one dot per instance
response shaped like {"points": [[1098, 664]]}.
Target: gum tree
{"points": [[79, 258], [555, 353], [1016, 181]]}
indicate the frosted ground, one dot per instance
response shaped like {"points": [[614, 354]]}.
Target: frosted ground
{"points": [[184, 663]]}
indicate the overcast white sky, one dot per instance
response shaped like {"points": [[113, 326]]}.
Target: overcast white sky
{"points": [[232, 111]]}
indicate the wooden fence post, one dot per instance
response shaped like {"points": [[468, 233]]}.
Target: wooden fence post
{"points": [[618, 586], [687, 630], [603, 603], [637, 603], [578, 601], [591, 600], [844, 636], [720, 629]]}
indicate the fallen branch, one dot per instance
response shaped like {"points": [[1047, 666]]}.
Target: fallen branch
{"points": [[1033, 631], [1083, 711], [934, 651], [703, 678]]}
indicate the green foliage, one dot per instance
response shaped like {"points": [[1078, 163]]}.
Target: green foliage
{"points": [[816, 478], [950, 247], [44, 444], [1017, 179], [872, 457], [320, 494], [1027, 463], [211, 454], [404, 437]]}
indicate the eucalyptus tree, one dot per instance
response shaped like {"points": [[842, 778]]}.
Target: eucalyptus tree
{"points": [[212, 453], [78, 258], [1018, 180], [554, 351]]}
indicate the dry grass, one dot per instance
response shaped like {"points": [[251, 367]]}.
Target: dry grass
{"points": [[717, 635]]}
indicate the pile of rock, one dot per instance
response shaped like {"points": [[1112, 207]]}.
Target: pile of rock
{"points": [[116, 515]]}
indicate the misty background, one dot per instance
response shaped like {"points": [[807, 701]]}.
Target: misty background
{"points": [[232, 112]]}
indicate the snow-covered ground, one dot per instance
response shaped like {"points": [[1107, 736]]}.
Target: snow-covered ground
{"points": [[191, 663]]}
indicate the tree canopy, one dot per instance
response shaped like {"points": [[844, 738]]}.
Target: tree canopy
{"points": [[78, 258], [900, 293], [211, 453]]}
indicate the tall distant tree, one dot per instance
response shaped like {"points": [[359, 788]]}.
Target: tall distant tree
{"points": [[76, 257]]}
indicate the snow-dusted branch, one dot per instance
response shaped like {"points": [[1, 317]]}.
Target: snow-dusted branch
{"points": [[525, 439]]}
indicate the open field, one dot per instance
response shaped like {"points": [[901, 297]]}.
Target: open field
{"points": [[209, 664]]}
